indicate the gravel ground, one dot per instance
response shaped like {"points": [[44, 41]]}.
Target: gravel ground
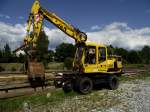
{"points": [[131, 96], [134, 98]]}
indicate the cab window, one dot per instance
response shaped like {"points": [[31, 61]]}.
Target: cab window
{"points": [[101, 54], [90, 55]]}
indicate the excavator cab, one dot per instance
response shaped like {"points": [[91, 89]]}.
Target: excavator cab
{"points": [[94, 58]]}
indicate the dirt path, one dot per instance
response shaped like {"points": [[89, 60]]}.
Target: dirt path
{"points": [[131, 96]]}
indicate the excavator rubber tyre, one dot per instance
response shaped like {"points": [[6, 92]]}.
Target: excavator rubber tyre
{"points": [[112, 82], [83, 85], [67, 87]]}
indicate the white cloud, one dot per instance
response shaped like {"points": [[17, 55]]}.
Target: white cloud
{"points": [[117, 34], [8, 17], [56, 37], [20, 17], [4, 16], [95, 27], [12, 34], [121, 35]]}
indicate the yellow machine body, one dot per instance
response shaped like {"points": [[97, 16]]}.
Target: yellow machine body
{"points": [[95, 59], [89, 58]]}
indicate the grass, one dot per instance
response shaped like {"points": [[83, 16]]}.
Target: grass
{"points": [[10, 66], [14, 104], [19, 66], [55, 66]]}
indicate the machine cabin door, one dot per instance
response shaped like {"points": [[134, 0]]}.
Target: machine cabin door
{"points": [[102, 57], [90, 59]]}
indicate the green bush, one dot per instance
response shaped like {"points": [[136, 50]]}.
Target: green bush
{"points": [[141, 65], [13, 68], [2, 69], [68, 62], [22, 68]]}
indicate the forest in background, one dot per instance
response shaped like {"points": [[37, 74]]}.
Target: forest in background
{"points": [[65, 53]]}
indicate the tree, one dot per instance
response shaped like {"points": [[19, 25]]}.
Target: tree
{"points": [[42, 43], [7, 53], [68, 62], [42, 48], [122, 52], [1, 54], [51, 55], [21, 58], [14, 58], [7, 48], [64, 50], [111, 50], [134, 57], [145, 54]]}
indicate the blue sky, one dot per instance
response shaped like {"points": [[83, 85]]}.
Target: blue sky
{"points": [[122, 23], [83, 13]]}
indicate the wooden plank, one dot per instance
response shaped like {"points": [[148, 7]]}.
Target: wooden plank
{"points": [[4, 83], [13, 77], [14, 86], [20, 77], [46, 71], [18, 85]]}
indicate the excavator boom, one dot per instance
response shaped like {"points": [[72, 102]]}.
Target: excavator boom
{"points": [[68, 29], [36, 17], [34, 25]]}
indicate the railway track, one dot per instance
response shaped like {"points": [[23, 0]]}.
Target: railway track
{"points": [[17, 84]]}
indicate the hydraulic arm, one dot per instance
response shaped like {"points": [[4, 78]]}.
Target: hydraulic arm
{"points": [[34, 24], [36, 17]]}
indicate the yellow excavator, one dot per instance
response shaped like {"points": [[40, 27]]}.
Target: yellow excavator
{"points": [[91, 66]]}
